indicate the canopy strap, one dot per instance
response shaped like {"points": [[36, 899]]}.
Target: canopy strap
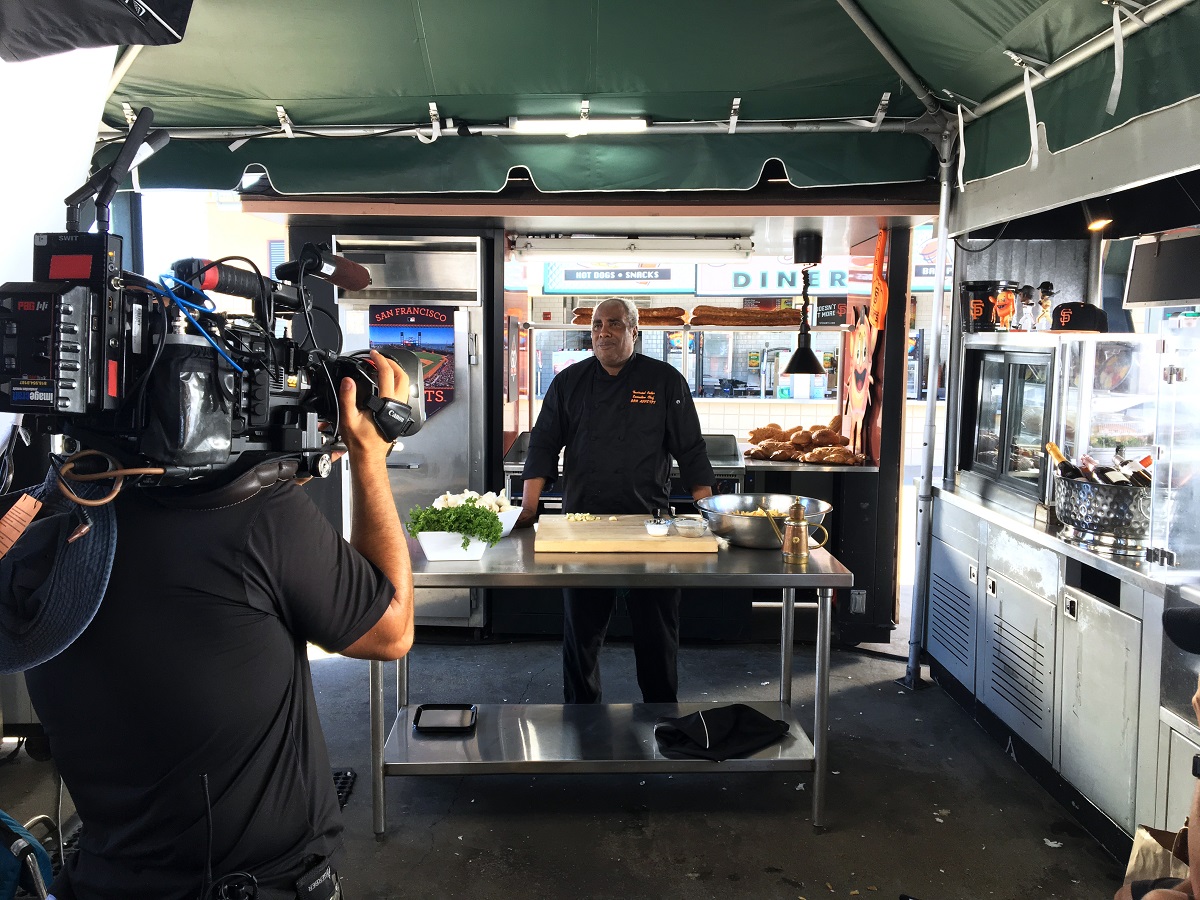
{"points": [[733, 114], [1029, 108], [962, 150], [1120, 7], [1029, 65], [436, 118]]}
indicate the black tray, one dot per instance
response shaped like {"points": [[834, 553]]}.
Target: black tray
{"points": [[444, 718]]}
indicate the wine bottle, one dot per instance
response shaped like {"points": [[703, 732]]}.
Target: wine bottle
{"points": [[1138, 471], [1063, 466], [1102, 474]]}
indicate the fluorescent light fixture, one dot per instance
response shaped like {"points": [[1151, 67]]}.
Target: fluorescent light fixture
{"points": [[574, 127], [623, 249]]}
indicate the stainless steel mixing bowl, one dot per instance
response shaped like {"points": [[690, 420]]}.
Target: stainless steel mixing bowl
{"points": [[722, 514]]}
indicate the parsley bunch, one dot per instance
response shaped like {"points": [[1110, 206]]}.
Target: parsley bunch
{"points": [[469, 519]]}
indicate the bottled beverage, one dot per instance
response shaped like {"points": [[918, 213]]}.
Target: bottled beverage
{"points": [[1102, 474], [1136, 470], [1063, 466]]}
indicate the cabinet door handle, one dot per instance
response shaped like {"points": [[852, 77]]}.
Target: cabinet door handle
{"points": [[973, 574], [991, 587]]}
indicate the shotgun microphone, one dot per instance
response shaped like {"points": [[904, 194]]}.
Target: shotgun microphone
{"points": [[318, 261]]}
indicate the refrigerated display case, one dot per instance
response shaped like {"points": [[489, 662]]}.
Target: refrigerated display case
{"points": [[1005, 419], [1091, 394]]}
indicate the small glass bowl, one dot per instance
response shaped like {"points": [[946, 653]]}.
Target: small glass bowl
{"points": [[658, 527], [689, 526]]}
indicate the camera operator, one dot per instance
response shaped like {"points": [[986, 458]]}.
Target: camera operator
{"points": [[183, 719]]}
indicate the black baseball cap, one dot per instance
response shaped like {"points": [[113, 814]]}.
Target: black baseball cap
{"points": [[1077, 316], [1047, 287]]}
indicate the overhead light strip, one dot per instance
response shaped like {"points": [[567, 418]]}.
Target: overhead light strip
{"points": [[618, 249], [568, 127]]}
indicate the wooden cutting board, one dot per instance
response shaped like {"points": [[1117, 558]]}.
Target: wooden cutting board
{"points": [[615, 534]]}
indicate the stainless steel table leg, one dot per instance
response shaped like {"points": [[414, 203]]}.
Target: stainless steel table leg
{"points": [[788, 631], [378, 736], [401, 684], [820, 734]]}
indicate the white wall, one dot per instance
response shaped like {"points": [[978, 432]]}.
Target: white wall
{"points": [[52, 108]]}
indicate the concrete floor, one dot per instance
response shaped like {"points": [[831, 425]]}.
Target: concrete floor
{"points": [[921, 802]]}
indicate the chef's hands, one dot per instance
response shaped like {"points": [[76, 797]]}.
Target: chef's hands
{"points": [[531, 495], [361, 435]]}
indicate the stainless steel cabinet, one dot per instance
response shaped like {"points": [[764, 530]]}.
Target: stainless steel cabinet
{"points": [[1180, 784], [1016, 675], [1098, 705], [953, 610]]}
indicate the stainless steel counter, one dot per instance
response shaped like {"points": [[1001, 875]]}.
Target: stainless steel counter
{"points": [[1145, 575], [607, 738]]}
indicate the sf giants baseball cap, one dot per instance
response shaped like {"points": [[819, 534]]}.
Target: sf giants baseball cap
{"points": [[1078, 317]]}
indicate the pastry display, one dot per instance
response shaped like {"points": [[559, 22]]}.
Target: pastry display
{"points": [[818, 444]]}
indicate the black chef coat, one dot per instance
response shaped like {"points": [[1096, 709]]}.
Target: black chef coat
{"points": [[620, 433]]}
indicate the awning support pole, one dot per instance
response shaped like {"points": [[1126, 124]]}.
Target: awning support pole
{"points": [[912, 677], [891, 55]]}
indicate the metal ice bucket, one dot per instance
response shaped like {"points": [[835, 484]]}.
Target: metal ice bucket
{"points": [[1106, 518]]}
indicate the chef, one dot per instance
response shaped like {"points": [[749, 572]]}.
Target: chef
{"points": [[622, 417]]}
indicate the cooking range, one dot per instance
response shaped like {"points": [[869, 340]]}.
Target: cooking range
{"points": [[728, 466]]}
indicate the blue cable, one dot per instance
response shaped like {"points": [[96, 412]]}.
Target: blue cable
{"points": [[185, 305]]}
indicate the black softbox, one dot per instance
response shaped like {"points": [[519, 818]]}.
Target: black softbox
{"points": [[33, 28]]}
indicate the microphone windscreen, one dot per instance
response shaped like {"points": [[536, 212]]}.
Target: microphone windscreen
{"points": [[344, 273], [337, 270], [1182, 625]]}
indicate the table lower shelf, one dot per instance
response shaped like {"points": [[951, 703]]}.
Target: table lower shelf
{"points": [[512, 738]]}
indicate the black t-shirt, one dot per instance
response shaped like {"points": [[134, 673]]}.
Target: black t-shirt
{"points": [[196, 665], [620, 433]]}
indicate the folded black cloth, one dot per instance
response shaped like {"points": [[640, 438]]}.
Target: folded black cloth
{"points": [[718, 733]]}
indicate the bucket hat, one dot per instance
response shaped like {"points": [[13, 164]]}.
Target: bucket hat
{"points": [[51, 585]]}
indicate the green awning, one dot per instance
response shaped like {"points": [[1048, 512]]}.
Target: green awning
{"points": [[482, 164], [380, 63]]}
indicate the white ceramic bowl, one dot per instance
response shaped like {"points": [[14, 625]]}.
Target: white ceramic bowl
{"points": [[508, 518], [441, 545]]}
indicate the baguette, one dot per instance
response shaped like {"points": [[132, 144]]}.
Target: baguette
{"points": [[726, 315]]}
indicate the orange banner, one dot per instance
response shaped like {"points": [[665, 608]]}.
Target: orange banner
{"points": [[879, 291]]}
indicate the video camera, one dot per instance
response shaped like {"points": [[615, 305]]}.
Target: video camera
{"points": [[152, 374]]}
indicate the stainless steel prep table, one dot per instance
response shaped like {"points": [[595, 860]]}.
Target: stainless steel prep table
{"points": [[511, 738]]}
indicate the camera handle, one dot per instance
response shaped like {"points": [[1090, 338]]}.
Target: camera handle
{"points": [[393, 418]]}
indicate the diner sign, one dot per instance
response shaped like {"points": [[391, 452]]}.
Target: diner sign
{"points": [[834, 277], [619, 278]]}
